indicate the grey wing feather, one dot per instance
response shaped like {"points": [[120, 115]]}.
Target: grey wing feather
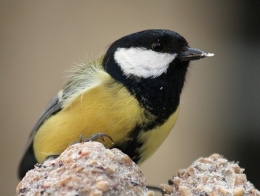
{"points": [[86, 77], [28, 161], [53, 107]]}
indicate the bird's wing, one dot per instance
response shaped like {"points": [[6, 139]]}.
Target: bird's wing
{"points": [[28, 161], [53, 107], [83, 80]]}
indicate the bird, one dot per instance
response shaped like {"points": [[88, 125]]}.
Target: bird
{"points": [[131, 94]]}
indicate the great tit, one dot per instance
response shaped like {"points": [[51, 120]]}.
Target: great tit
{"points": [[132, 94]]}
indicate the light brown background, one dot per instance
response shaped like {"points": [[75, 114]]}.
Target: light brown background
{"points": [[219, 106]]}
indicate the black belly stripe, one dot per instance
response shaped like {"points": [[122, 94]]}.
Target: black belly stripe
{"points": [[132, 145]]}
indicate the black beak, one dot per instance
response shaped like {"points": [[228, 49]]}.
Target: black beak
{"points": [[191, 54]]}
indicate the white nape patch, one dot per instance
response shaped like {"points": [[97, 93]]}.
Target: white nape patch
{"points": [[142, 62]]}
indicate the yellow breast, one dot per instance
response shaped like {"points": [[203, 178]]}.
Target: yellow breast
{"points": [[155, 137], [107, 107]]}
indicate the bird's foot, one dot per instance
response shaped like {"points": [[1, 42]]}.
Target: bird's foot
{"points": [[98, 136], [94, 137]]}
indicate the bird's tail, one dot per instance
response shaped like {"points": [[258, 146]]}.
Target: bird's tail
{"points": [[27, 163]]}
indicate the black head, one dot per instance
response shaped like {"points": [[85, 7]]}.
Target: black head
{"points": [[165, 41], [152, 64], [143, 54]]}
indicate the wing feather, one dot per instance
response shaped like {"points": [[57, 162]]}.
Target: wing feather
{"points": [[84, 78]]}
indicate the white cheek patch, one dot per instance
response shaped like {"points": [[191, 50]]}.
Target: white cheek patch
{"points": [[142, 62]]}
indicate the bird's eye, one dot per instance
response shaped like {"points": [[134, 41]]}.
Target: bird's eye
{"points": [[157, 46]]}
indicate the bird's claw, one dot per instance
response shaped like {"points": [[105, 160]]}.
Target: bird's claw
{"points": [[93, 137], [97, 136]]}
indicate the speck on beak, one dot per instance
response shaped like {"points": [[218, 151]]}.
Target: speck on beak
{"points": [[191, 54]]}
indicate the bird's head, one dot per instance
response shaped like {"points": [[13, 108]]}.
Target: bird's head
{"points": [[152, 65], [149, 54]]}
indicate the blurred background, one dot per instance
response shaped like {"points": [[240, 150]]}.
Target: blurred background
{"points": [[220, 105]]}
